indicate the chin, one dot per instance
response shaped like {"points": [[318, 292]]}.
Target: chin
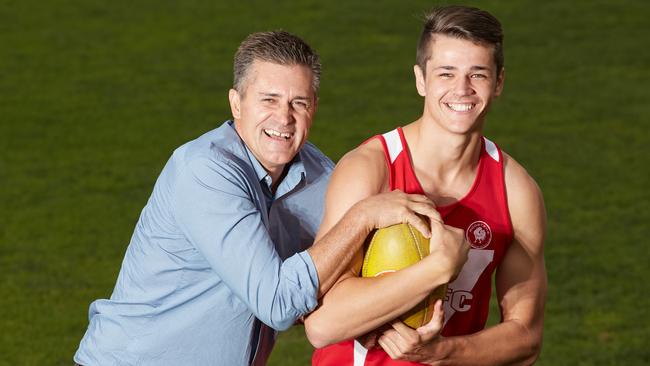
{"points": [[284, 158]]}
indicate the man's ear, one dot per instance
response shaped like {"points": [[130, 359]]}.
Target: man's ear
{"points": [[235, 103], [500, 80], [420, 81]]}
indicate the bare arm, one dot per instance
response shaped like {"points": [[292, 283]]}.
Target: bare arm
{"points": [[357, 305], [521, 289], [352, 212]]}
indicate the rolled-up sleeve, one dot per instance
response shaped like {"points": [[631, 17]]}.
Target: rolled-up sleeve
{"points": [[214, 208]]}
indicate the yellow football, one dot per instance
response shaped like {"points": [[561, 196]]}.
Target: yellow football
{"points": [[393, 248]]}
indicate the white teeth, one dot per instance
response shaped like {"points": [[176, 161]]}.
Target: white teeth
{"points": [[284, 135], [460, 107]]}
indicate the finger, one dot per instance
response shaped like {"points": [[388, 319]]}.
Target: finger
{"points": [[404, 337], [405, 331], [418, 222], [432, 329], [421, 200], [426, 209], [389, 347]]}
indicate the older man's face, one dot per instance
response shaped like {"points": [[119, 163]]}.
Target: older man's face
{"points": [[274, 114]]}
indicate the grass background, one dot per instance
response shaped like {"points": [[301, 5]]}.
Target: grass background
{"points": [[95, 95]]}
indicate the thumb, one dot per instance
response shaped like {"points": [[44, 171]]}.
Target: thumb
{"points": [[434, 326]]}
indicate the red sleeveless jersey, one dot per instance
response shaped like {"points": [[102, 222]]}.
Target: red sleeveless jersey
{"points": [[482, 213]]}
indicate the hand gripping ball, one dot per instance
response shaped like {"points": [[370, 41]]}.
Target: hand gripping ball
{"points": [[393, 248]]}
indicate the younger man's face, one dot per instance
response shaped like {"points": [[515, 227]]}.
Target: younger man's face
{"points": [[460, 83]]}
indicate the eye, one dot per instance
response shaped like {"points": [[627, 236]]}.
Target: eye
{"points": [[300, 104], [268, 100], [446, 75], [479, 76]]}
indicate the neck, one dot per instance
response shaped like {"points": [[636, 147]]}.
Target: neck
{"points": [[444, 162], [276, 177], [443, 151]]}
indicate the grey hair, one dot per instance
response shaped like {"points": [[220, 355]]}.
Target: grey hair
{"points": [[278, 47]]}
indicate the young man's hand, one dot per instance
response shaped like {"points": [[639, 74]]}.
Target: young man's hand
{"points": [[404, 343]]}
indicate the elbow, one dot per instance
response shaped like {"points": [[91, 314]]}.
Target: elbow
{"points": [[531, 350], [528, 345], [534, 350], [282, 325], [282, 313], [318, 333], [278, 318], [280, 322]]}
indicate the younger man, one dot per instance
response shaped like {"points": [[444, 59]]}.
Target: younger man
{"points": [[475, 186]]}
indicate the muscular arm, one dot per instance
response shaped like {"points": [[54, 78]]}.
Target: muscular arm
{"points": [[353, 211], [357, 305], [521, 290]]}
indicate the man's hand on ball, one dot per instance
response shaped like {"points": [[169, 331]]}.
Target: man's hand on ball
{"points": [[397, 207], [404, 343]]}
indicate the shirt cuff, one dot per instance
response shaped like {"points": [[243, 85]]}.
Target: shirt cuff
{"points": [[304, 265]]}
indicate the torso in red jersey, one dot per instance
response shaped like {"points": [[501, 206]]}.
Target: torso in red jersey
{"points": [[482, 213]]}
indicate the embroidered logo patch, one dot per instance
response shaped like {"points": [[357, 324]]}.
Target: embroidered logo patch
{"points": [[479, 235]]}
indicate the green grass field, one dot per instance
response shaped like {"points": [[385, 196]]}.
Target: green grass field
{"points": [[95, 95]]}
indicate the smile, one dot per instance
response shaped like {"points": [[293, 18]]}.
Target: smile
{"points": [[273, 133], [460, 107]]}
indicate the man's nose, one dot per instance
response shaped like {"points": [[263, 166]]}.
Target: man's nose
{"points": [[285, 113], [463, 87]]}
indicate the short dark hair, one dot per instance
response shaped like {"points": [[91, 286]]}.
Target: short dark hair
{"points": [[278, 47], [462, 22]]}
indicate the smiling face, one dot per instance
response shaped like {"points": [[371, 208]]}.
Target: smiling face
{"points": [[275, 112], [459, 84]]}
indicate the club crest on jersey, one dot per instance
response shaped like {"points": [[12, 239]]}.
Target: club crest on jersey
{"points": [[479, 234]]}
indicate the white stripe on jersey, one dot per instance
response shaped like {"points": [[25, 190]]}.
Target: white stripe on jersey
{"points": [[359, 354], [491, 149], [393, 143]]}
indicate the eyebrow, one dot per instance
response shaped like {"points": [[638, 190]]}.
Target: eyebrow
{"points": [[473, 68], [278, 95]]}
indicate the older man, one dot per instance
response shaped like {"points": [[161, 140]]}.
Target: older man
{"points": [[219, 260]]}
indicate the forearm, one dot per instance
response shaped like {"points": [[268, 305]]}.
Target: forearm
{"points": [[508, 343], [333, 252], [358, 305]]}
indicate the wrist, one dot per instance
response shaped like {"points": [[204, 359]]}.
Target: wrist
{"points": [[360, 219], [438, 273], [438, 351]]}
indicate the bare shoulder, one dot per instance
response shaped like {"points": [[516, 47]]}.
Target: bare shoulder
{"points": [[364, 167], [518, 178], [369, 153], [525, 202]]}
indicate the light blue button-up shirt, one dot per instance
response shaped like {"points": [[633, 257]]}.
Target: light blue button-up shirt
{"points": [[213, 251]]}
